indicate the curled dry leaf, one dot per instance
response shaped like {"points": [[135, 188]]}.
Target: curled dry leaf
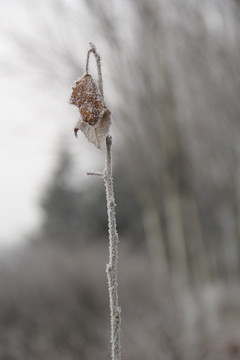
{"points": [[95, 116]]}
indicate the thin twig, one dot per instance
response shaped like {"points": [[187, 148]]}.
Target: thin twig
{"points": [[98, 61], [96, 173], [111, 269]]}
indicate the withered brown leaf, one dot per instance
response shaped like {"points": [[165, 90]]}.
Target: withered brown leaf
{"points": [[95, 116]]}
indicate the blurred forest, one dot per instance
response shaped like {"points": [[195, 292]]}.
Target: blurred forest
{"points": [[173, 83]]}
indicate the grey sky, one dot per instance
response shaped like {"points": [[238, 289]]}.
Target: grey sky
{"points": [[35, 123]]}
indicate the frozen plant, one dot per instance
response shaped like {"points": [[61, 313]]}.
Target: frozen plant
{"points": [[95, 123]]}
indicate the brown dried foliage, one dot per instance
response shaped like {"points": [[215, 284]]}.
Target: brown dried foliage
{"points": [[88, 99]]}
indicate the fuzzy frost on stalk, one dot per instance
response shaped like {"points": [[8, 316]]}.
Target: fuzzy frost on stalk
{"points": [[111, 268], [113, 255], [95, 125]]}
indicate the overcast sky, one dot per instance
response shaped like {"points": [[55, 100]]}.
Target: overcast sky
{"points": [[35, 123]]}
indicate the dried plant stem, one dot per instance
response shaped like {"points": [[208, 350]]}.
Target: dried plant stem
{"points": [[98, 61], [111, 269]]}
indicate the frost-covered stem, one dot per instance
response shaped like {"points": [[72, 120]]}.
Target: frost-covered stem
{"points": [[111, 269], [115, 310], [98, 61]]}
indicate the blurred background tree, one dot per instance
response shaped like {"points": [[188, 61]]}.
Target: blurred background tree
{"points": [[172, 80], [75, 216]]}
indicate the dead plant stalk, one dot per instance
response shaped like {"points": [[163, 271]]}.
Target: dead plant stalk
{"points": [[96, 127]]}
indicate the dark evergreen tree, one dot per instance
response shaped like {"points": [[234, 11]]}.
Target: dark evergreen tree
{"points": [[77, 215]]}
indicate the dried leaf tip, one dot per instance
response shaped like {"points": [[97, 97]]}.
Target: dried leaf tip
{"points": [[76, 132]]}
